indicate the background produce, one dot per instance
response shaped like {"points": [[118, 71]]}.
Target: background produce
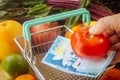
{"points": [[26, 77], [14, 65], [22, 10], [9, 29], [2, 76], [68, 34], [112, 73], [46, 36]]}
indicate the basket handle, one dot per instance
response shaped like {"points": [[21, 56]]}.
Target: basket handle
{"points": [[27, 24]]}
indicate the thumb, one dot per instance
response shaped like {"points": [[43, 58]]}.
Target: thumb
{"points": [[98, 28]]}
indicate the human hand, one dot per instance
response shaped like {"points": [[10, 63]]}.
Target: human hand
{"points": [[116, 58], [109, 26]]}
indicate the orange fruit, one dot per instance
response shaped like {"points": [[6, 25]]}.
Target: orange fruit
{"points": [[26, 77], [9, 29]]}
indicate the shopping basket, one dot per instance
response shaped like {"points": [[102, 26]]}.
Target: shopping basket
{"points": [[34, 53]]}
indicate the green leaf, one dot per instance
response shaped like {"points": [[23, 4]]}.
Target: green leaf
{"points": [[74, 20], [2, 13], [39, 10]]}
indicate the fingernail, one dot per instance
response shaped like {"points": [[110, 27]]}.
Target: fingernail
{"points": [[92, 29]]}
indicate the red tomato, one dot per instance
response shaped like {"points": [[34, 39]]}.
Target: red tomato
{"points": [[84, 45]]}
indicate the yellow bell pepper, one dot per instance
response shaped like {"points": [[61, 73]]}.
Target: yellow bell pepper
{"points": [[68, 33], [9, 29]]}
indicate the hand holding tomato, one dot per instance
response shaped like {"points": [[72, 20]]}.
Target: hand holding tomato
{"points": [[85, 45], [109, 25]]}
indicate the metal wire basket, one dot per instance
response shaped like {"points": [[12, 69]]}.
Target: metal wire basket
{"points": [[34, 53]]}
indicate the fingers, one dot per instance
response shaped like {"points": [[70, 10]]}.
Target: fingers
{"points": [[98, 28], [115, 47], [118, 31], [109, 23], [114, 39], [116, 58]]}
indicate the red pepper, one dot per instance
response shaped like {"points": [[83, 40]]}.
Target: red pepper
{"points": [[112, 74]]}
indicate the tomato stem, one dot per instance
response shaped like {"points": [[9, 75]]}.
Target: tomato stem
{"points": [[90, 35]]}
